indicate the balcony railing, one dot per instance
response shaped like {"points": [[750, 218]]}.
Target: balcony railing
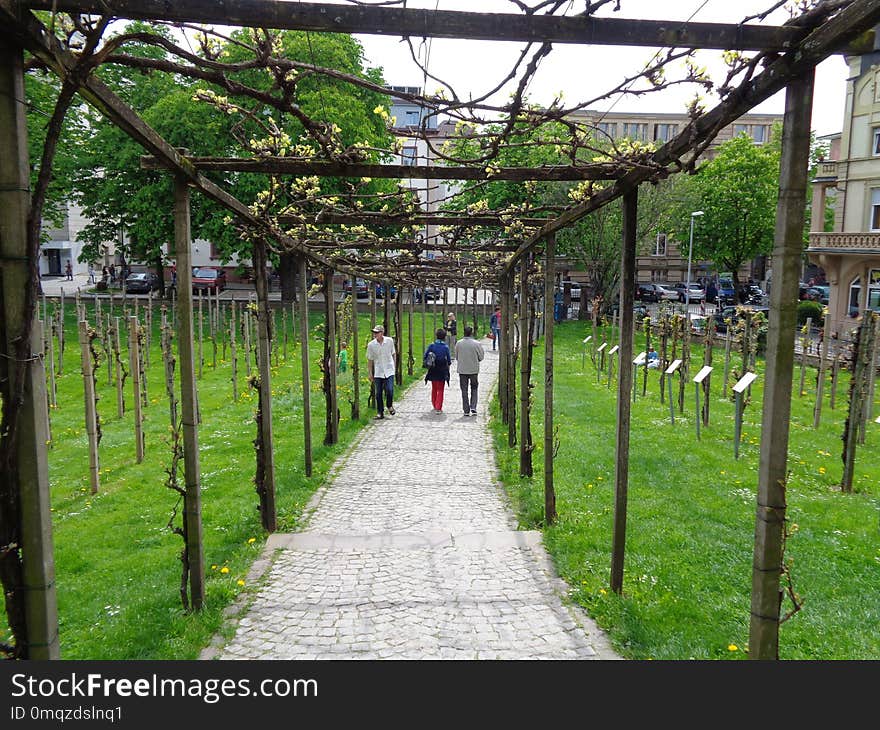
{"points": [[827, 170], [860, 242]]}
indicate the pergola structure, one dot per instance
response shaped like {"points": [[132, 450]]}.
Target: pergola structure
{"points": [[503, 249]]}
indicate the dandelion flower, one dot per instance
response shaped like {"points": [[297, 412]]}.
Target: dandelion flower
{"points": [[251, 540], [732, 647], [821, 469], [240, 582], [214, 567], [224, 569]]}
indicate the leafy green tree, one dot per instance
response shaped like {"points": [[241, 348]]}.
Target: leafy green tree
{"points": [[737, 190]]}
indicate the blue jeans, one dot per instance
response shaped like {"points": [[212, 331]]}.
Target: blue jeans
{"points": [[384, 386], [497, 332]]}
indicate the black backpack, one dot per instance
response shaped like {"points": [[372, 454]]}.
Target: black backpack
{"points": [[429, 359]]}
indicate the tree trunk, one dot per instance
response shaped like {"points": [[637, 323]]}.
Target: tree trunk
{"points": [[287, 274]]}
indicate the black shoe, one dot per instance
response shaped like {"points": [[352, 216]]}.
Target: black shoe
{"points": [[391, 411], [378, 416], [473, 413]]}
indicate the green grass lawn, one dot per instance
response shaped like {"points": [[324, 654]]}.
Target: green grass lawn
{"points": [[691, 516], [117, 566]]}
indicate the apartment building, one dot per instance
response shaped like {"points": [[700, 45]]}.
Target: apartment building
{"points": [[849, 254]]}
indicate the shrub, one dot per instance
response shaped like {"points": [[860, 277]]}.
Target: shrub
{"points": [[808, 309]]}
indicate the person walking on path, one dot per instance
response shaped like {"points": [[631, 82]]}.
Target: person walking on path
{"points": [[468, 354], [437, 359], [380, 362], [91, 273], [68, 271], [495, 325], [451, 331]]}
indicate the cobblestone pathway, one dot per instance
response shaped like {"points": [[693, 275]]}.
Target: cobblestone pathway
{"points": [[411, 552]]}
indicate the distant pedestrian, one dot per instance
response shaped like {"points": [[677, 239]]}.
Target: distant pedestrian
{"points": [[342, 358], [380, 362], [91, 273], [468, 354], [451, 331], [495, 325], [437, 359], [112, 271], [68, 271]]}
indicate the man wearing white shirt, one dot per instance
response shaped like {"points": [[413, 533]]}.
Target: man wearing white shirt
{"points": [[380, 360]]}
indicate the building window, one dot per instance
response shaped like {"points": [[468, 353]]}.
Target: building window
{"points": [[412, 118], [607, 129], [408, 156], [855, 292], [664, 132], [757, 132], [634, 130], [875, 149], [875, 209], [660, 245]]}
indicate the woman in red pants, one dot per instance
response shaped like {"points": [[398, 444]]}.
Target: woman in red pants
{"points": [[437, 359]]}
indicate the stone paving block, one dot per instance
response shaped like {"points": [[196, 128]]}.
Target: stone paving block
{"points": [[411, 552]]}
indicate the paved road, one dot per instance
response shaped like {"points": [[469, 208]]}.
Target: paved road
{"points": [[411, 552]]}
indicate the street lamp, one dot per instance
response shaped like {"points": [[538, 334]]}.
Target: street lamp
{"points": [[687, 291]]}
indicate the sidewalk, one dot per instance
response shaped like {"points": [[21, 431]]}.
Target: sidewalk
{"points": [[411, 552]]}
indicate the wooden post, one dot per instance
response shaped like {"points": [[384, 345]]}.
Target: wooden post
{"points": [[549, 446], [117, 357], [355, 359], [135, 370], [624, 384], [192, 513], [510, 365], [201, 358], [872, 376], [266, 459], [331, 431], [398, 334], [410, 358], [726, 361], [306, 378], [246, 326], [233, 351], [91, 412], [820, 380], [525, 435], [50, 358], [805, 341], [862, 350], [31, 600], [786, 263], [502, 350]]}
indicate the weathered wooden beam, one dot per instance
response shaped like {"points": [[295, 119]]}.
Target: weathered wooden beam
{"points": [[384, 219], [26, 30], [304, 168], [829, 38], [391, 21]]}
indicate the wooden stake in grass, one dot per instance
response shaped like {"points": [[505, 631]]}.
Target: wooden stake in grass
{"points": [[355, 360], [727, 340], [50, 358], [60, 331], [525, 432], [834, 346], [134, 364], [304, 335], [820, 380], [233, 352], [169, 362], [86, 335], [805, 341], [201, 359], [246, 324], [121, 372], [863, 347]]}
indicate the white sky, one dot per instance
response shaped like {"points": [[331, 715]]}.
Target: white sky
{"points": [[582, 72]]}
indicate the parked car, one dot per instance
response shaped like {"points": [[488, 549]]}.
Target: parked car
{"points": [[754, 294], [142, 283], [363, 290], [648, 293], [428, 293], [574, 289], [208, 278], [817, 293], [726, 292], [697, 293], [667, 292]]}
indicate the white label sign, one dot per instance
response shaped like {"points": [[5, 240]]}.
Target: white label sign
{"points": [[589, 337], [701, 376], [640, 359], [676, 364], [613, 349], [602, 347], [744, 382]]}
